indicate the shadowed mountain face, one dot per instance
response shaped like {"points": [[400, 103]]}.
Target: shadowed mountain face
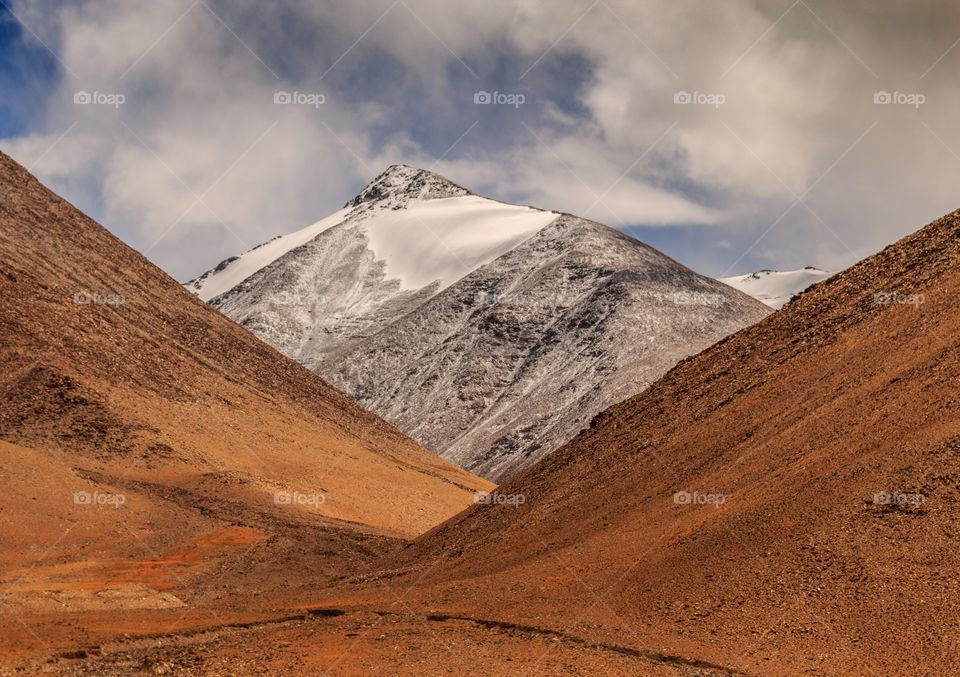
{"points": [[790, 493], [489, 333], [154, 453]]}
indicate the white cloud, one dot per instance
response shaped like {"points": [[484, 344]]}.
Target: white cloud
{"points": [[796, 99]]}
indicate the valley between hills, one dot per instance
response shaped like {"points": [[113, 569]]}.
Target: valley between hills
{"points": [[182, 497]]}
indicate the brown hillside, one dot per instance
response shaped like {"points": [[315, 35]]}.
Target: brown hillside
{"points": [[240, 473]]}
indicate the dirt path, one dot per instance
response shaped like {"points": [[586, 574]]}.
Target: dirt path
{"points": [[359, 642]]}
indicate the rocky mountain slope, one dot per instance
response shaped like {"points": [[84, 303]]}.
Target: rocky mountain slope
{"points": [[158, 460], [776, 287], [490, 333]]}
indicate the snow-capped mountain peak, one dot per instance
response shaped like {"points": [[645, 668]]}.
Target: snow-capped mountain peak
{"points": [[421, 228], [399, 184], [489, 332]]}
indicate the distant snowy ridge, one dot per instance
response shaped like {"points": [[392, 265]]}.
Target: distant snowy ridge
{"points": [[774, 287]]}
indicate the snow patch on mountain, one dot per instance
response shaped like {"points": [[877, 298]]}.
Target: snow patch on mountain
{"points": [[443, 240]]}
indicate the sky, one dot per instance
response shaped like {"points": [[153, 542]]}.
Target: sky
{"points": [[733, 136]]}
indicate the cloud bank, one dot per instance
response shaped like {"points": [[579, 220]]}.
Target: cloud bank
{"points": [[734, 135]]}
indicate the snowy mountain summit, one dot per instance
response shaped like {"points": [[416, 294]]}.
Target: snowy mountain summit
{"points": [[423, 231], [775, 287], [490, 333]]}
